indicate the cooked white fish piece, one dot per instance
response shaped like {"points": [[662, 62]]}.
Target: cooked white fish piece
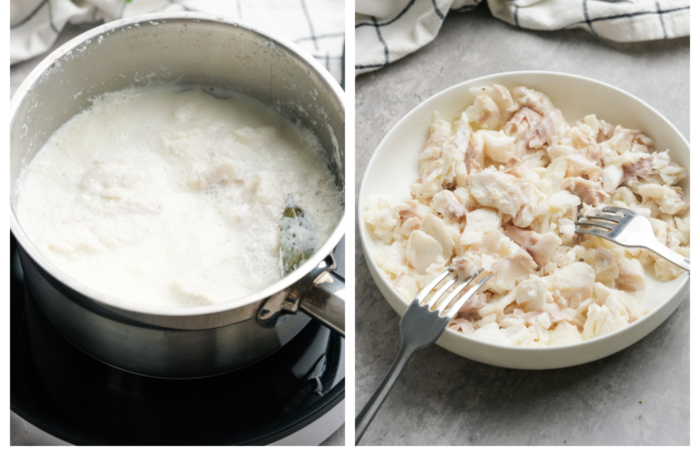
{"points": [[508, 272], [497, 145], [448, 205], [574, 282], [606, 269], [564, 334], [545, 131], [522, 122], [605, 319], [540, 246], [535, 293], [479, 223], [588, 191], [497, 244], [500, 95], [631, 277], [534, 100], [497, 190], [485, 113], [467, 265], [422, 250], [668, 199], [436, 228], [630, 302]]}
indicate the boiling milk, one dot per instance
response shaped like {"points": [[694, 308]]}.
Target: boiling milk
{"points": [[172, 197]]}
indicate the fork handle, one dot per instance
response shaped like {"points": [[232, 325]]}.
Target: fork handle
{"points": [[370, 410], [670, 255]]}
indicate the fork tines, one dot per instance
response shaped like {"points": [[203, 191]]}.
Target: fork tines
{"points": [[440, 301], [602, 224]]}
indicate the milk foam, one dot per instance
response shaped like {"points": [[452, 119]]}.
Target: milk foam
{"points": [[169, 196]]}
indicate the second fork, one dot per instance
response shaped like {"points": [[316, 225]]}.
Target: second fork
{"points": [[420, 326]]}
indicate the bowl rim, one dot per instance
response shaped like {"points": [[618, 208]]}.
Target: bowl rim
{"points": [[111, 301], [466, 339]]}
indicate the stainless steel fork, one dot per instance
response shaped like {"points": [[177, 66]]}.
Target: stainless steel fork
{"points": [[421, 325], [628, 229]]}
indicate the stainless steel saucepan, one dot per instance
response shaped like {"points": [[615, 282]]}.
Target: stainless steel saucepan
{"points": [[187, 49]]}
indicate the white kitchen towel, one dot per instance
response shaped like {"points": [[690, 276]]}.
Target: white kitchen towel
{"points": [[389, 30], [317, 26]]}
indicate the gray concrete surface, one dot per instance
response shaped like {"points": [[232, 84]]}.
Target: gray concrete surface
{"points": [[20, 71], [639, 396]]}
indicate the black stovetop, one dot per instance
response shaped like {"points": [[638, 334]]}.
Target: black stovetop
{"points": [[80, 400]]}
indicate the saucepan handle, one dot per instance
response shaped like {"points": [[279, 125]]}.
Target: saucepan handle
{"points": [[320, 294], [325, 301]]}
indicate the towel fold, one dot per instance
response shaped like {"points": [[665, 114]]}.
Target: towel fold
{"points": [[388, 31], [317, 26]]}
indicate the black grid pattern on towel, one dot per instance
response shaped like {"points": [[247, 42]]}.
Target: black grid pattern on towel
{"points": [[33, 13], [587, 20], [394, 19], [398, 16], [658, 11]]}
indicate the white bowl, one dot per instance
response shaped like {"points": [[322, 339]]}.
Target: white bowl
{"points": [[394, 166]]}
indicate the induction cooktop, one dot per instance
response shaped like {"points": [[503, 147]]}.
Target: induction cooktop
{"points": [[58, 390]]}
